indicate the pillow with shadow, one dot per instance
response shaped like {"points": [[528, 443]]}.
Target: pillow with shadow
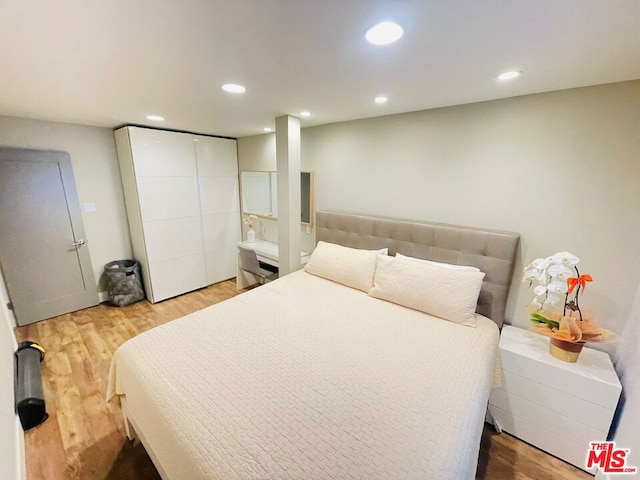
{"points": [[443, 292], [352, 267]]}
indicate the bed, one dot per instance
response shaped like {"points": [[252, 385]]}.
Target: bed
{"points": [[306, 378]]}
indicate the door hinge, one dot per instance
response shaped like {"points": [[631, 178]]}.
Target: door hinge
{"points": [[10, 306]]}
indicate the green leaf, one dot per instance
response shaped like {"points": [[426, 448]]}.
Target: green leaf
{"points": [[539, 319]]}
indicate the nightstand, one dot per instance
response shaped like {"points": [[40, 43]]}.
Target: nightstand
{"points": [[557, 406]]}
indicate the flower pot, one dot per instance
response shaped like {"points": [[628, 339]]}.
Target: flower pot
{"points": [[565, 351], [251, 235]]}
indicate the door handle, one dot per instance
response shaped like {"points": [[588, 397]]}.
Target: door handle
{"points": [[78, 243]]}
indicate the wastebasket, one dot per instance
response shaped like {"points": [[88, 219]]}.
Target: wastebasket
{"points": [[29, 394], [124, 281]]}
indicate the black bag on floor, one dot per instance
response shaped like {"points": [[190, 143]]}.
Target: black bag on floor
{"points": [[125, 282]]}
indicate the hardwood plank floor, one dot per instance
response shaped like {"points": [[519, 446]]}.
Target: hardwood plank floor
{"points": [[84, 437]]}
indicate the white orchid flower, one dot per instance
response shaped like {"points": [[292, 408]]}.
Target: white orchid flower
{"points": [[540, 291], [542, 278], [565, 258], [553, 299], [560, 271], [537, 263], [550, 276], [542, 263], [557, 288], [542, 301], [529, 275]]}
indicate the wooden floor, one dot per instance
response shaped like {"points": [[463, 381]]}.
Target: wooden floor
{"points": [[84, 437]]}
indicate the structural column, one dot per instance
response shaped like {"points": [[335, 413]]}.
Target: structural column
{"points": [[288, 165]]}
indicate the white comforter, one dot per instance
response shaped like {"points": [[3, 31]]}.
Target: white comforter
{"points": [[307, 379]]}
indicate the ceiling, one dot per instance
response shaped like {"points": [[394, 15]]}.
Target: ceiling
{"points": [[112, 62]]}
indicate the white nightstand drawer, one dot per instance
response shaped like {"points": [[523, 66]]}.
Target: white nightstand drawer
{"points": [[548, 441], [544, 417], [555, 400], [557, 406], [592, 378]]}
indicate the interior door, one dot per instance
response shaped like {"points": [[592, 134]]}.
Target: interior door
{"points": [[43, 253]]}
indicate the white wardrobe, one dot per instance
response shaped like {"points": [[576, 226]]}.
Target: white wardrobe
{"points": [[182, 198]]}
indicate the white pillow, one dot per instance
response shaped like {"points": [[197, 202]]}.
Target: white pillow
{"points": [[442, 292], [439, 264], [352, 267]]}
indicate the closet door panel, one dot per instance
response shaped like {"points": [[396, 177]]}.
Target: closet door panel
{"points": [[219, 195], [164, 197], [160, 153], [176, 237], [216, 157], [221, 264], [220, 230], [177, 275]]}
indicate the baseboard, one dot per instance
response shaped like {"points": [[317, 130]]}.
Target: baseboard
{"points": [[21, 463], [103, 297]]}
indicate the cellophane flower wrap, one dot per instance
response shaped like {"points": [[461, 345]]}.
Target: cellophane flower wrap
{"points": [[555, 310]]}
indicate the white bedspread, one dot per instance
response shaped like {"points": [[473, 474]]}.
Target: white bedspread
{"points": [[307, 379]]}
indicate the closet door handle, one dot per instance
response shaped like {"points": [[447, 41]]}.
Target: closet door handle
{"points": [[78, 243]]}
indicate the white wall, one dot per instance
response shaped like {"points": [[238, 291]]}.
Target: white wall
{"points": [[560, 168], [11, 437], [259, 153], [97, 177], [627, 434]]}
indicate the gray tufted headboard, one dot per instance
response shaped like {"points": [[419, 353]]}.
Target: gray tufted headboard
{"points": [[491, 251]]}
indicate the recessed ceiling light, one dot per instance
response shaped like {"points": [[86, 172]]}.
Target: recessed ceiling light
{"points": [[384, 33], [305, 114], [233, 88], [509, 75], [381, 100], [267, 129], [155, 118]]}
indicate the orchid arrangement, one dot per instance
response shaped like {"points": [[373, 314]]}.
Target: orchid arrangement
{"points": [[248, 221], [555, 309]]}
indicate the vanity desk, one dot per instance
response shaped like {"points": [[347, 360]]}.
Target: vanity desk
{"points": [[266, 252]]}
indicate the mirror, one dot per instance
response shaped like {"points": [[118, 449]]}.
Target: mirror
{"points": [[260, 195]]}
